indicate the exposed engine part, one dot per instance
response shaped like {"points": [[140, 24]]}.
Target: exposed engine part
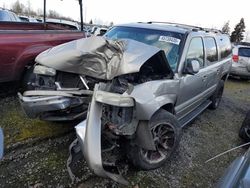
{"points": [[119, 119], [58, 86], [84, 82]]}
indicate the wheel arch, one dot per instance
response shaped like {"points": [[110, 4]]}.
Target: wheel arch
{"points": [[224, 77]]}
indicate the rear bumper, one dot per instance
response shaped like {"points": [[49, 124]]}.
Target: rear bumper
{"points": [[45, 107], [239, 71]]}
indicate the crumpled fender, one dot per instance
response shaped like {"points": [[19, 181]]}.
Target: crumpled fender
{"points": [[151, 96]]}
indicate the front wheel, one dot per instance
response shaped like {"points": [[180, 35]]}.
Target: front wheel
{"points": [[165, 130], [216, 97]]}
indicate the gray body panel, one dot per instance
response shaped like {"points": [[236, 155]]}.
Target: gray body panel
{"points": [[237, 174]]}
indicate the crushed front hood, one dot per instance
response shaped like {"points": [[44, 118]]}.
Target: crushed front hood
{"points": [[99, 57]]}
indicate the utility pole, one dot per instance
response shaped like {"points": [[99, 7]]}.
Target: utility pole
{"points": [[80, 3], [44, 11]]}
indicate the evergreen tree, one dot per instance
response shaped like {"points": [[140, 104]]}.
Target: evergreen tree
{"points": [[91, 22], [237, 34], [226, 29]]}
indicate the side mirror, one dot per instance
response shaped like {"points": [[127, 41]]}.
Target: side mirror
{"points": [[1, 143], [192, 67]]}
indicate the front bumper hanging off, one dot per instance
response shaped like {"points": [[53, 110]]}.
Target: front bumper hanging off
{"points": [[37, 103], [89, 131]]}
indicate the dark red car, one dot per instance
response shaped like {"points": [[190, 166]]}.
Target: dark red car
{"points": [[21, 42]]}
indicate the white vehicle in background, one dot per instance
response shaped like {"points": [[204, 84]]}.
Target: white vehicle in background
{"points": [[28, 19], [65, 23], [100, 31], [241, 61]]}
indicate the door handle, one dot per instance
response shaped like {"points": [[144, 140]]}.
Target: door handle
{"points": [[204, 78]]}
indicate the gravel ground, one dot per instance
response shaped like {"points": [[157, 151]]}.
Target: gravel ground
{"points": [[36, 151]]}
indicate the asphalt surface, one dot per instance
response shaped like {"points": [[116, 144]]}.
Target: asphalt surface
{"points": [[36, 152]]}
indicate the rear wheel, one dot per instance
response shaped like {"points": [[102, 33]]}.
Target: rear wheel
{"points": [[245, 78], [216, 97], [244, 132], [165, 130]]}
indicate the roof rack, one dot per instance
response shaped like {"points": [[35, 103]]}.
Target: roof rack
{"points": [[193, 27]]}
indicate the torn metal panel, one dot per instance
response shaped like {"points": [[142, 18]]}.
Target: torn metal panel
{"points": [[99, 57], [89, 136], [144, 137]]}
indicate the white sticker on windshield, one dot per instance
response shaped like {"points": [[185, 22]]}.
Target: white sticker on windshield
{"points": [[170, 40]]}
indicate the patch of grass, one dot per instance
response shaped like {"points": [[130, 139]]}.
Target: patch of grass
{"points": [[18, 127], [234, 84]]}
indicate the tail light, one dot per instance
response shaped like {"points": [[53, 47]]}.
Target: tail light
{"points": [[235, 58]]}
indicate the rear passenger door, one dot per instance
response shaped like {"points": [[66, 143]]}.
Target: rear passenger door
{"points": [[213, 66]]}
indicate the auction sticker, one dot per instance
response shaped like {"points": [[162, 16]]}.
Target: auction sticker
{"points": [[169, 39]]}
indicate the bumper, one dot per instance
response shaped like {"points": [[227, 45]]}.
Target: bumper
{"points": [[37, 105], [240, 71], [89, 132]]}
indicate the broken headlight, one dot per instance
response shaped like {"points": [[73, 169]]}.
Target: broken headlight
{"points": [[114, 99], [39, 69]]}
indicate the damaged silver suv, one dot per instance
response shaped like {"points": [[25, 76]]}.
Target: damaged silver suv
{"points": [[142, 82]]}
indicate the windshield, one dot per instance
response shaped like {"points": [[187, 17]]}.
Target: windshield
{"points": [[4, 16], [168, 41]]}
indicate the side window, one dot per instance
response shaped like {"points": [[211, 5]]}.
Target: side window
{"points": [[196, 51], [225, 47], [211, 50]]}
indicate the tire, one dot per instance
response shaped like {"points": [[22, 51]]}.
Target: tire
{"points": [[161, 121], [216, 97], [245, 78], [244, 132]]}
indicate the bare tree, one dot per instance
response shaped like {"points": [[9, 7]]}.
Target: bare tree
{"points": [[18, 7]]}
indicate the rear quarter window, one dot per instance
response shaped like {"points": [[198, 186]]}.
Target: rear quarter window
{"points": [[225, 47], [245, 52]]}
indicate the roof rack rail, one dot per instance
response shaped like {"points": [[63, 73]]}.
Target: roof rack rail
{"points": [[193, 27]]}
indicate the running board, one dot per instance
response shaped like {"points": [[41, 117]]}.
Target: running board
{"points": [[190, 117]]}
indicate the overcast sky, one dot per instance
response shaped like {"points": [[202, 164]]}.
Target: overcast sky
{"points": [[206, 13]]}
